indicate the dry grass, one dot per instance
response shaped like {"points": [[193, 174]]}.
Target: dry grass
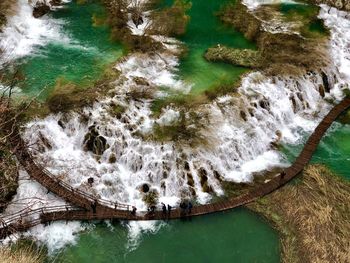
{"points": [[312, 215], [22, 256]]}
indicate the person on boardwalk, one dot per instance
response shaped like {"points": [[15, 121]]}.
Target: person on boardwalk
{"points": [[282, 174], [163, 208], [184, 207], [93, 206], [169, 209], [190, 207], [133, 211]]}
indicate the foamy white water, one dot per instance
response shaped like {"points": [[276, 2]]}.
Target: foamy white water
{"points": [[24, 33]]}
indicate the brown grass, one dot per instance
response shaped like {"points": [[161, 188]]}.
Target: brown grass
{"points": [[20, 256], [312, 216]]}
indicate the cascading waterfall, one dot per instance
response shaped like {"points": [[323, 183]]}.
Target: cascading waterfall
{"points": [[240, 129]]}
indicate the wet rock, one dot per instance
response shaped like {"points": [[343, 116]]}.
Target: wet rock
{"points": [[94, 142], [217, 176], [264, 104], [204, 181], [40, 10], [44, 141], [325, 82], [293, 103], [243, 115], [112, 158], [322, 91], [187, 166], [137, 18], [145, 188], [61, 124], [190, 180], [3, 21]]}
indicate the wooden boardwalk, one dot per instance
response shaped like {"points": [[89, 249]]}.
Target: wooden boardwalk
{"points": [[87, 207]]}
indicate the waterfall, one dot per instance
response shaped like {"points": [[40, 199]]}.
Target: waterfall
{"points": [[240, 128], [23, 33]]}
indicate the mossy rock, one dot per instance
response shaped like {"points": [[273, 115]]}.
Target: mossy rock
{"points": [[94, 142], [239, 57]]}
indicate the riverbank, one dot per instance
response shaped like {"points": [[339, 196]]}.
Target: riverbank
{"points": [[312, 216]]}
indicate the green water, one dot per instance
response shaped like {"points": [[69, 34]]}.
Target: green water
{"points": [[205, 30], [333, 150], [81, 60], [236, 236], [305, 12]]}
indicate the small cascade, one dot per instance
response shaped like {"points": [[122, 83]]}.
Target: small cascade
{"points": [[24, 33]]}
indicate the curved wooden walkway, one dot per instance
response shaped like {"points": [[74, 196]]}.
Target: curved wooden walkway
{"points": [[108, 210]]}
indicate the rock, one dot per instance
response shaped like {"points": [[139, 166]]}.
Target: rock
{"points": [[243, 115], [112, 158], [338, 4], [94, 142], [145, 188], [325, 82], [40, 10], [3, 21], [322, 91]]}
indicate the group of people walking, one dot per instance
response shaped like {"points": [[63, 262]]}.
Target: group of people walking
{"points": [[185, 206]]}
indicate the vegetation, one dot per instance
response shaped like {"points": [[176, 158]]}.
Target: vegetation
{"points": [[23, 251], [312, 215], [67, 96], [186, 129], [151, 198], [6, 8], [279, 53], [175, 17], [118, 16], [240, 57]]}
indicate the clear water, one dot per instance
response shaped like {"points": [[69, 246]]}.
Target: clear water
{"points": [[205, 30], [81, 60], [333, 151], [236, 236]]}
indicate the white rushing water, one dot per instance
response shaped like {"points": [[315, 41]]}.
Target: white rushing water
{"points": [[24, 33], [239, 130]]}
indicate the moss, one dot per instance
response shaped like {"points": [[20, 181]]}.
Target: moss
{"points": [[151, 198], [185, 130], [68, 96], [8, 176], [117, 19], [290, 52], [171, 21], [239, 57]]}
